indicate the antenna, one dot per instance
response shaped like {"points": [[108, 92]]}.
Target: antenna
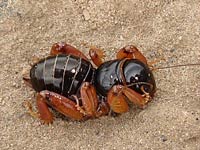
{"points": [[175, 66]]}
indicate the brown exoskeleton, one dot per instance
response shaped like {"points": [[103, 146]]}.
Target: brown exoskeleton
{"points": [[67, 82]]}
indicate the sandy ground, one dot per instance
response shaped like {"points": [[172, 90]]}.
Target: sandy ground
{"points": [[159, 28]]}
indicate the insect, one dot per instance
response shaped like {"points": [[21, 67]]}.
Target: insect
{"points": [[68, 82]]}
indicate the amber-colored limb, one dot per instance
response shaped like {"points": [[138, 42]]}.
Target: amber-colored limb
{"points": [[90, 105], [96, 55], [60, 103], [43, 111], [117, 98], [138, 99], [132, 52], [63, 48]]}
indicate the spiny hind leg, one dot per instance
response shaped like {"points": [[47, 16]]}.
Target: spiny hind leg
{"points": [[43, 113], [62, 104]]}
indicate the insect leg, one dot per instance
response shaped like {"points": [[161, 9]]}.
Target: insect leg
{"points": [[62, 104], [63, 48], [138, 99], [118, 94], [132, 52], [116, 100], [96, 55], [90, 101], [103, 109], [44, 113]]}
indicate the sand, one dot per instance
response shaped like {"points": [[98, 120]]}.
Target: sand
{"points": [[168, 29]]}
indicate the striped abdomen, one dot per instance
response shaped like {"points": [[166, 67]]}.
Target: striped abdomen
{"points": [[62, 74]]}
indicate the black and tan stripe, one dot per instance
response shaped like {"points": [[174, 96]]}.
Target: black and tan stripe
{"points": [[62, 74]]}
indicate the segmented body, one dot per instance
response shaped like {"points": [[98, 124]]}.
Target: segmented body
{"points": [[67, 82], [62, 74]]}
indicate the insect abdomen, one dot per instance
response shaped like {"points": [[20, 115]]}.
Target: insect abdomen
{"points": [[62, 74]]}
